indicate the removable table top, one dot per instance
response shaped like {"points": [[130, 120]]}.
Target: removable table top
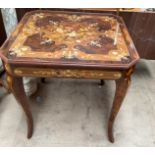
{"points": [[70, 39]]}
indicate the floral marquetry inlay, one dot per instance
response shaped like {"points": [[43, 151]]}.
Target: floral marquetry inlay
{"points": [[54, 36]]}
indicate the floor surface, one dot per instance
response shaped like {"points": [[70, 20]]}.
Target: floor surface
{"points": [[71, 112]]}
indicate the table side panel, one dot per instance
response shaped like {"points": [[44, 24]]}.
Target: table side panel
{"points": [[63, 73]]}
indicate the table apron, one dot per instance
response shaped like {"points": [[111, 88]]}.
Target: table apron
{"points": [[64, 73]]}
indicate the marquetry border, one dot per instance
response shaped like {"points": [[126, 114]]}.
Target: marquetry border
{"points": [[67, 73]]}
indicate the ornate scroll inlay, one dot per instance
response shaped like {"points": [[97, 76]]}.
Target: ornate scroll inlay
{"points": [[9, 82], [7, 68], [67, 73], [69, 36]]}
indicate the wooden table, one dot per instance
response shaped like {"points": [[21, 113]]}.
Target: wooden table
{"points": [[69, 45]]}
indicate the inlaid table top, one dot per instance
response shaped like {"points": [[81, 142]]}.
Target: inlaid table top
{"points": [[70, 39]]}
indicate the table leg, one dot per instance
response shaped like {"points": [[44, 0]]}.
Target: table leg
{"points": [[43, 80], [101, 83], [16, 86], [121, 89]]}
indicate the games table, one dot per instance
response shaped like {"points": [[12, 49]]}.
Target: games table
{"points": [[69, 45]]}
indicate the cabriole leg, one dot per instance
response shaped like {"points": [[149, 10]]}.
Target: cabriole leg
{"points": [[16, 87], [121, 89]]}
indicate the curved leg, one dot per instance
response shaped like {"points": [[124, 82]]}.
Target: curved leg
{"points": [[121, 89], [16, 86]]}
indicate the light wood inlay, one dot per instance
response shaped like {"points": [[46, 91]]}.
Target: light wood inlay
{"points": [[67, 73]]}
